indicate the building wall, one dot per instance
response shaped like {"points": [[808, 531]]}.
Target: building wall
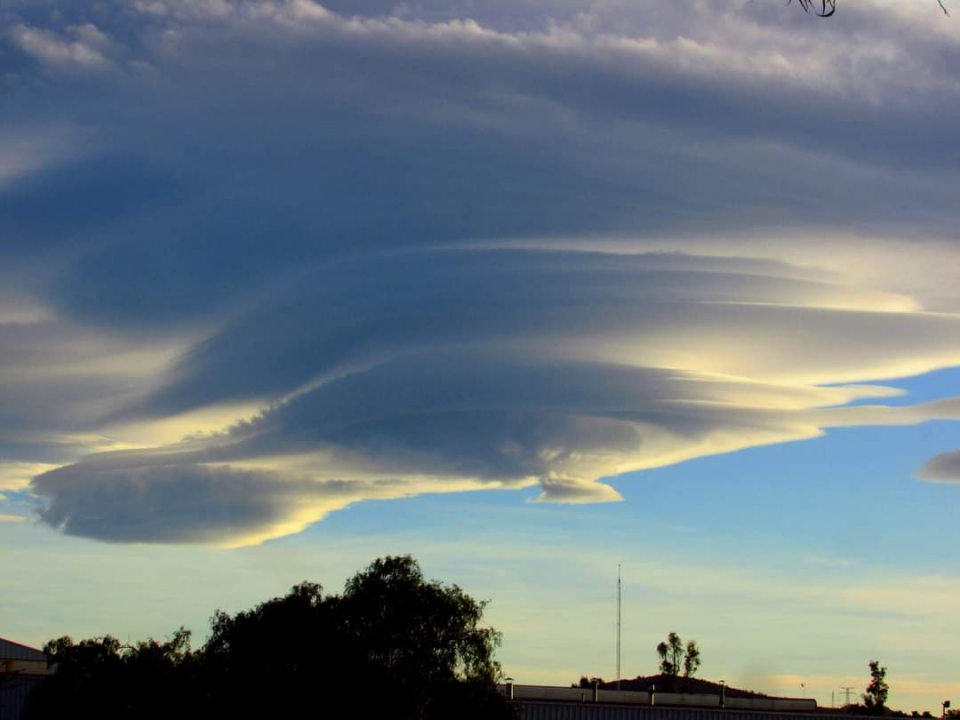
{"points": [[14, 691], [547, 693], [534, 710], [22, 669]]}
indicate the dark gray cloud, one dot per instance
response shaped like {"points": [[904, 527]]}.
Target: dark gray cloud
{"points": [[170, 504], [227, 143], [944, 467]]}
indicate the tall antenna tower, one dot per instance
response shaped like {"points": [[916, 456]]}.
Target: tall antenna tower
{"points": [[618, 625]]}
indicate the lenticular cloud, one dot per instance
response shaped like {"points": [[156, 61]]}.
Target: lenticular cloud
{"points": [[263, 259], [429, 371]]}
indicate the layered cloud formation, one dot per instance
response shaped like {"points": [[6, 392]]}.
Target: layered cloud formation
{"points": [[262, 260]]}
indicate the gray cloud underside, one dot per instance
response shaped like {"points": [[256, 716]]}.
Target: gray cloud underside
{"points": [[180, 503], [500, 368], [278, 195], [292, 135], [669, 311]]}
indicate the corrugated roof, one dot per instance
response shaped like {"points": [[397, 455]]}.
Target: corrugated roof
{"points": [[10, 650]]}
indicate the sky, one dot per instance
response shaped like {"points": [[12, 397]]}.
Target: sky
{"points": [[526, 289]]}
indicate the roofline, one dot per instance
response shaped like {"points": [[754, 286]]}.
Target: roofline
{"points": [[18, 644]]}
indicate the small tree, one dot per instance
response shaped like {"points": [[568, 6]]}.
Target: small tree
{"points": [[673, 656], [875, 698], [586, 682], [691, 659]]}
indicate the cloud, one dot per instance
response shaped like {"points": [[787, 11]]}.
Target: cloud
{"points": [[164, 504], [500, 368], [358, 252], [58, 381], [16, 476], [944, 467], [82, 49]]}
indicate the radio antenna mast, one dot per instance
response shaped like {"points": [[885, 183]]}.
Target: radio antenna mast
{"points": [[618, 625]]}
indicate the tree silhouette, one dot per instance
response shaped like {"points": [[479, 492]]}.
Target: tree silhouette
{"points": [[674, 657], [392, 645], [671, 654], [875, 698], [691, 659]]}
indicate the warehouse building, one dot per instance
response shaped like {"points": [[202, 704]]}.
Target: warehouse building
{"points": [[22, 669], [541, 702]]}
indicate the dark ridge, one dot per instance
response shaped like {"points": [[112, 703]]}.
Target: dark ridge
{"points": [[679, 684]]}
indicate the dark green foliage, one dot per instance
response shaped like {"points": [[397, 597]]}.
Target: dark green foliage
{"points": [[671, 654], [674, 657], [392, 645], [112, 680], [691, 659], [590, 682], [875, 698]]}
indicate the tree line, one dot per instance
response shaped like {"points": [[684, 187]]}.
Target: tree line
{"points": [[391, 645]]}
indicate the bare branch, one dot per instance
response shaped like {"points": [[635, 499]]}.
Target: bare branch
{"points": [[829, 7], [826, 9]]}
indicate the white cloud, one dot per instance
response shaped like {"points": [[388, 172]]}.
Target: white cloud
{"points": [[83, 49]]}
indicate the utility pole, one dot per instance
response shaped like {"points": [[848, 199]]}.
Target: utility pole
{"points": [[847, 691], [618, 625]]}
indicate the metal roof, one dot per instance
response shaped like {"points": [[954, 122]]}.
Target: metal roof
{"points": [[10, 650]]}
